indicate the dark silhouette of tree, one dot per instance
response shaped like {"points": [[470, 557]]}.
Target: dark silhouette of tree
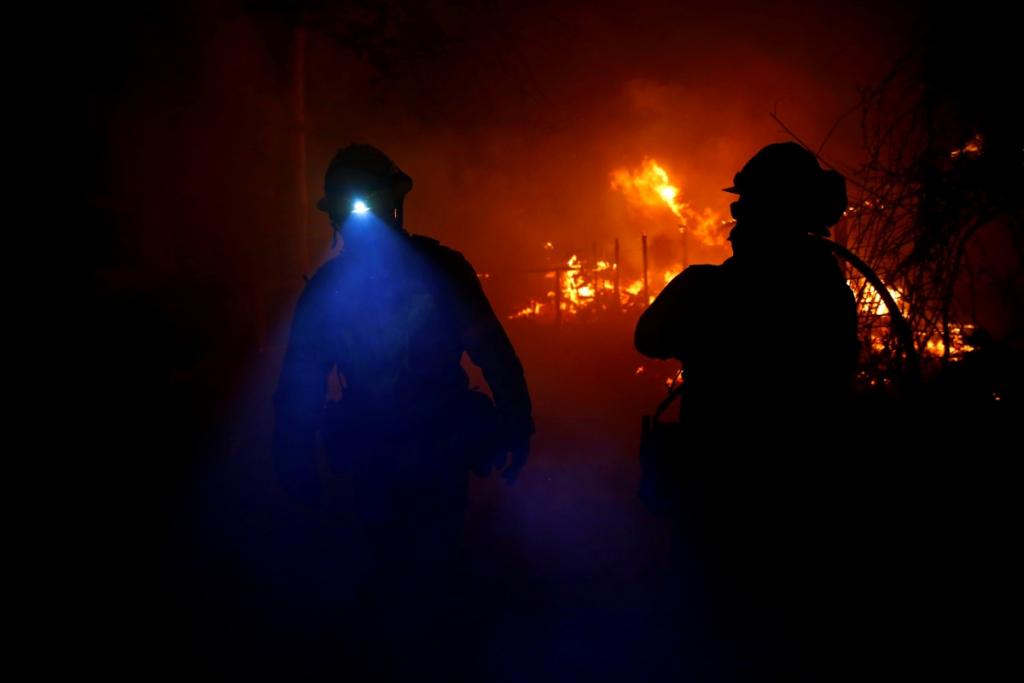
{"points": [[941, 184]]}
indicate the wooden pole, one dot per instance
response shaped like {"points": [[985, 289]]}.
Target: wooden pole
{"points": [[647, 293], [615, 267]]}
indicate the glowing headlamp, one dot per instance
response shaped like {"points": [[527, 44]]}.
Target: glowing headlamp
{"points": [[360, 207]]}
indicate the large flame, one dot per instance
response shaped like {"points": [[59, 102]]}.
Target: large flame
{"points": [[650, 188]]}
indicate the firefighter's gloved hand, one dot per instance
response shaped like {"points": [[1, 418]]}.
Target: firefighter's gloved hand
{"points": [[519, 453]]}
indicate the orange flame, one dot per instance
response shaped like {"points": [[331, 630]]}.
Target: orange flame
{"points": [[871, 302], [958, 345], [533, 310], [580, 286], [649, 187]]}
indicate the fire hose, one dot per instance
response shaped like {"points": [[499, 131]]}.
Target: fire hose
{"points": [[900, 326]]}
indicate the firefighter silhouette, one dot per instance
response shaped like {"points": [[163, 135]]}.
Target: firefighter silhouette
{"points": [[390, 318], [768, 343], [774, 328]]}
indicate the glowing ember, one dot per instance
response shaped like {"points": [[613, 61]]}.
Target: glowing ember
{"points": [[973, 148], [534, 309]]}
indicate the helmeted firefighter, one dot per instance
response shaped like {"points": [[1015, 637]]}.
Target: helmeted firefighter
{"points": [[773, 330], [768, 342], [391, 316]]}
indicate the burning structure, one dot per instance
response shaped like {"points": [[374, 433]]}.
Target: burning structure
{"points": [[586, 287]]}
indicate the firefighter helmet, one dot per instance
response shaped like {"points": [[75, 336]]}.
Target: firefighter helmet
{"points": [[359, 172], [789, 176]]}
